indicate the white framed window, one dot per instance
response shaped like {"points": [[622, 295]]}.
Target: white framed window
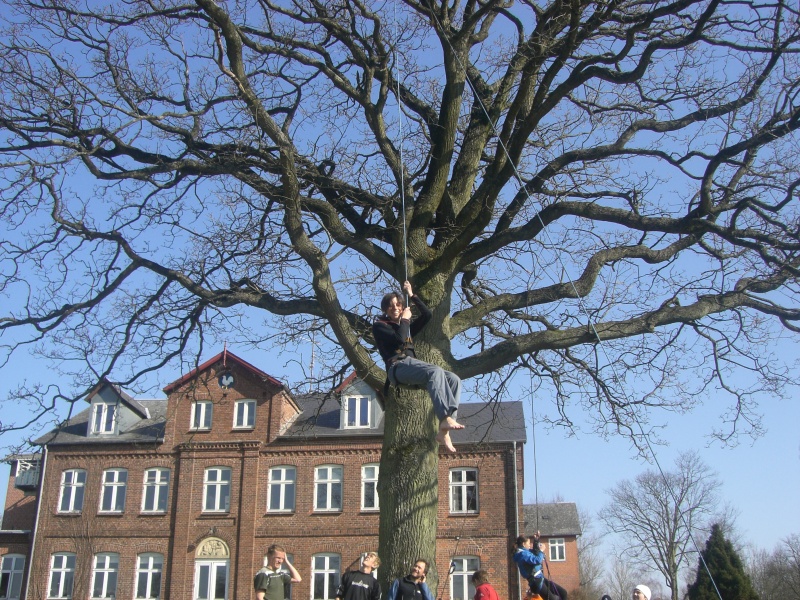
{"points": [[148, 576], [356, 411], [73, 483], [11, 576], [115, 485], [202, 411], [464, 490], [62, 575], [281, 494], [558, 549], [155, 490], [104, 575], [325, 569], [461, 587], [369, 486], [217, 489], [103, 417], [328, 488], [211, 580], [244, 414]]}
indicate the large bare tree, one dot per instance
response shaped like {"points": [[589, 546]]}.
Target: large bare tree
{"points": [[658, 515], [548, 175]]}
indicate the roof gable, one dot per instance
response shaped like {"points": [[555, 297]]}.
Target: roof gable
{"points": [[226, 357]]}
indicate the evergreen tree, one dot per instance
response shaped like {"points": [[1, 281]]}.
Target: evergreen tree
{"points": [[727, 569]]}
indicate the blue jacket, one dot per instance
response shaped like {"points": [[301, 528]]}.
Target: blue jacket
{"points": [[530, 566]]}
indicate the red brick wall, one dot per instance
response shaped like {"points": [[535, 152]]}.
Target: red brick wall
{"points": [[20, 508]]}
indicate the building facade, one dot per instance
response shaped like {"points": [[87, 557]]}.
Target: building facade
{"points": [[180, 498]]}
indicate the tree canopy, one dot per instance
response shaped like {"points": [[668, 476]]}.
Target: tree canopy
{"points": [[547, 174], [659, 512]]}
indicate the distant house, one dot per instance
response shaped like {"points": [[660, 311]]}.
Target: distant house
{"points": [[558, 524], [179, 498]]}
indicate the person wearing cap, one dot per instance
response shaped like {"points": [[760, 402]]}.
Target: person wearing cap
{"points": [[412, 586], [271, 583], [361, 584], [641, 592]]}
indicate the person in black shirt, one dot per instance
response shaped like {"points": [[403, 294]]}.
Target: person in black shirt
{"points": [[361, 584], [394, 332]]}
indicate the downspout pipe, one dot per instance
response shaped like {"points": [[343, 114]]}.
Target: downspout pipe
{"points": [[36, 522], [516, 512]]}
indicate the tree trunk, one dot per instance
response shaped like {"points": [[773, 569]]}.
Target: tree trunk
{"points": [[408, 485]]}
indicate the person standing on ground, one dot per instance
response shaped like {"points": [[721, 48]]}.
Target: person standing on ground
{"points": [[412, 586], [483, 589], [270, 583], [361, 584]]}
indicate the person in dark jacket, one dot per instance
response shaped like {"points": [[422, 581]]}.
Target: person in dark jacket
{"points": [[394, 332], [412, 586]]}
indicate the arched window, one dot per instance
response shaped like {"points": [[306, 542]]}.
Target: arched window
{"points": [[62, 575], [104, 575], [148, 575], [12, 568], [325, 569], [73, 482], [115, 485], [461, 587]]}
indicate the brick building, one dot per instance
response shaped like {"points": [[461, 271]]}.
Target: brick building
{"points": [[179, 498]]}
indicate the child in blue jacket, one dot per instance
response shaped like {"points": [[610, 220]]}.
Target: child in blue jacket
{"points": [[529, 556]]}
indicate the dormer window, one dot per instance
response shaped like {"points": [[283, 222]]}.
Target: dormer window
{"points": [[356, 411], [103, 417]]}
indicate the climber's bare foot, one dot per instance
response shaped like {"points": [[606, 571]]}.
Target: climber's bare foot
{"points": [[449, 424], [443, 437]]}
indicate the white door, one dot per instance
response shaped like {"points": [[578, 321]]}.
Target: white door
{"points": [[211, 580]]}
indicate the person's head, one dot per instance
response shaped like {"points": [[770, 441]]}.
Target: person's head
{"points": [[480, 577], [371, 561], [393, 304], [420, 569], [276, 556], [641, 592], [525, 541]]}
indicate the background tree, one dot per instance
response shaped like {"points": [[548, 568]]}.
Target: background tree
{"points": [[590, 560], [547, 175], [776, 575], [721, 562], [620, 578], [658, 513]]}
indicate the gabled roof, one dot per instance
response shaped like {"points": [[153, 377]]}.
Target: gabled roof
{"points": [[492, 422], [74, 431], [127, 400], [552, 519], [227, 357]]}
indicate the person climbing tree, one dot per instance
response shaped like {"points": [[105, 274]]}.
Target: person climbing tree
{"points": [[394, 331], [529, 556]]}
